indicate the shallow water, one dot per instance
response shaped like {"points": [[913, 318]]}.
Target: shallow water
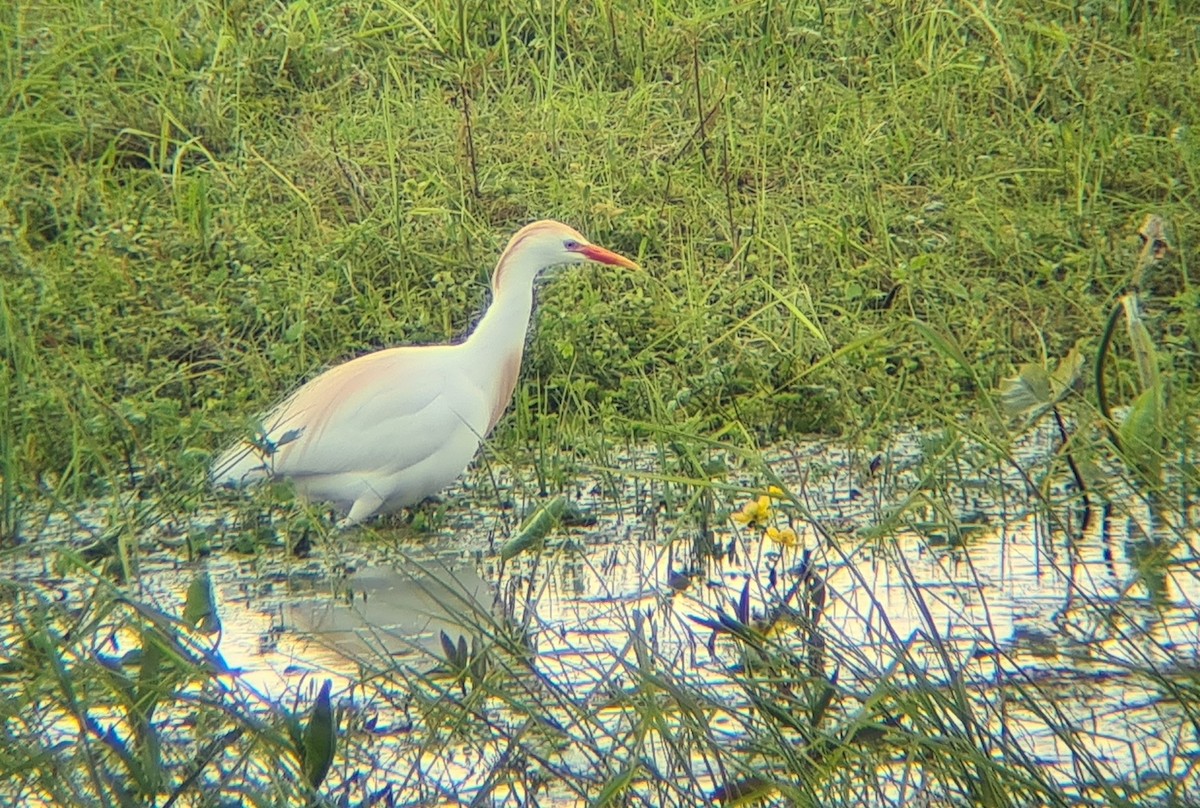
{"points": [[1043, 622], [1013, 592]]}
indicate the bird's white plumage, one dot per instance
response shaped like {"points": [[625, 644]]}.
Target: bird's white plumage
{"points": [[339, 436], [391, 428]]}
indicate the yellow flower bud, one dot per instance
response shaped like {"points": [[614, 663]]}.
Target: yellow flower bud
{"points": [[784, 537]]}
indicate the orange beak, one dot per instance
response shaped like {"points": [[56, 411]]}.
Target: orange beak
{"points": [[603, 256]]}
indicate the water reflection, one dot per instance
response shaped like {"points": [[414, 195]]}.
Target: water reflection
{"points": [[982, 584], [383, 611], [1041, 620]]}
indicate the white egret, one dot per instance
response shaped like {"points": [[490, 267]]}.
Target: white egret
{"points": [[390, 428]]}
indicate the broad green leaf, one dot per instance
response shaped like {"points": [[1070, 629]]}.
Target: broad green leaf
{"points": [[1142, 344], [320, 739], [1034, 387], [1029, 389], [1066, 374], [1142, 435], [534, 529], [200, 610]]}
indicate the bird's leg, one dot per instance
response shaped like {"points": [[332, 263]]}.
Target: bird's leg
{"points": [[362, 508]]}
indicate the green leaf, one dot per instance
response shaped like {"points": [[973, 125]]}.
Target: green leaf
{"points": [[1067, 373], [943, 345], [200, 610], [1142, 344], [1142, 435], [534, 529], [320, 739], [1029, 389], [1035, 388]]}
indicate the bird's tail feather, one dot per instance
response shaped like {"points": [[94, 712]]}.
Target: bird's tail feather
{"points": [[239, 466]]}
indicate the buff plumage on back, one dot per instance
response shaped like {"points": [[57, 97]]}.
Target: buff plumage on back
{"points": [[393, 427], [325, 427]]}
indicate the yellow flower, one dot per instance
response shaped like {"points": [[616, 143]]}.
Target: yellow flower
{"points": [[785, 537], [754, 513], [775, 492]]}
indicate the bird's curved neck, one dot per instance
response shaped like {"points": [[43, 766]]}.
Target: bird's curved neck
{"points": [[501, 329], [498, 341]]}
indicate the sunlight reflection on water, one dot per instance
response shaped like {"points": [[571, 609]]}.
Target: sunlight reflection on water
{"points": [[1015, 595], [987, 587]]}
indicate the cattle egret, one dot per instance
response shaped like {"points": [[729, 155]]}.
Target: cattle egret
{"points": [[390, 428]]}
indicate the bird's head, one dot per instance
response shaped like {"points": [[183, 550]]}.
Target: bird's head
{"points": [[546, 244]]}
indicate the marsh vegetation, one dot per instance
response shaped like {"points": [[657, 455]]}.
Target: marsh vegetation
{"points": [[882, 474]]}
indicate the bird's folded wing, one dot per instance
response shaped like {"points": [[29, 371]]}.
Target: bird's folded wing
{"points": [[382, 411]]}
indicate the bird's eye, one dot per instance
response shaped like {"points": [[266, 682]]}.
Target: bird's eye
{"points": [[570, 245]]}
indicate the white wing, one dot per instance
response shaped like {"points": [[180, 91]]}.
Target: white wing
{"points": [[377, 414]]}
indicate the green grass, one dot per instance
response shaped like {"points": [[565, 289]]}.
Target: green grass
{"points": [[203, 204], [853, 218]]}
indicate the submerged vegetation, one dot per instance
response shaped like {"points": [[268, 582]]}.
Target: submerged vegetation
{"points": [[854, 218]]}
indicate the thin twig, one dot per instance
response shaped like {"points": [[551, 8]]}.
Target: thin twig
{"points": [[699, 101], [466, 108]]}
